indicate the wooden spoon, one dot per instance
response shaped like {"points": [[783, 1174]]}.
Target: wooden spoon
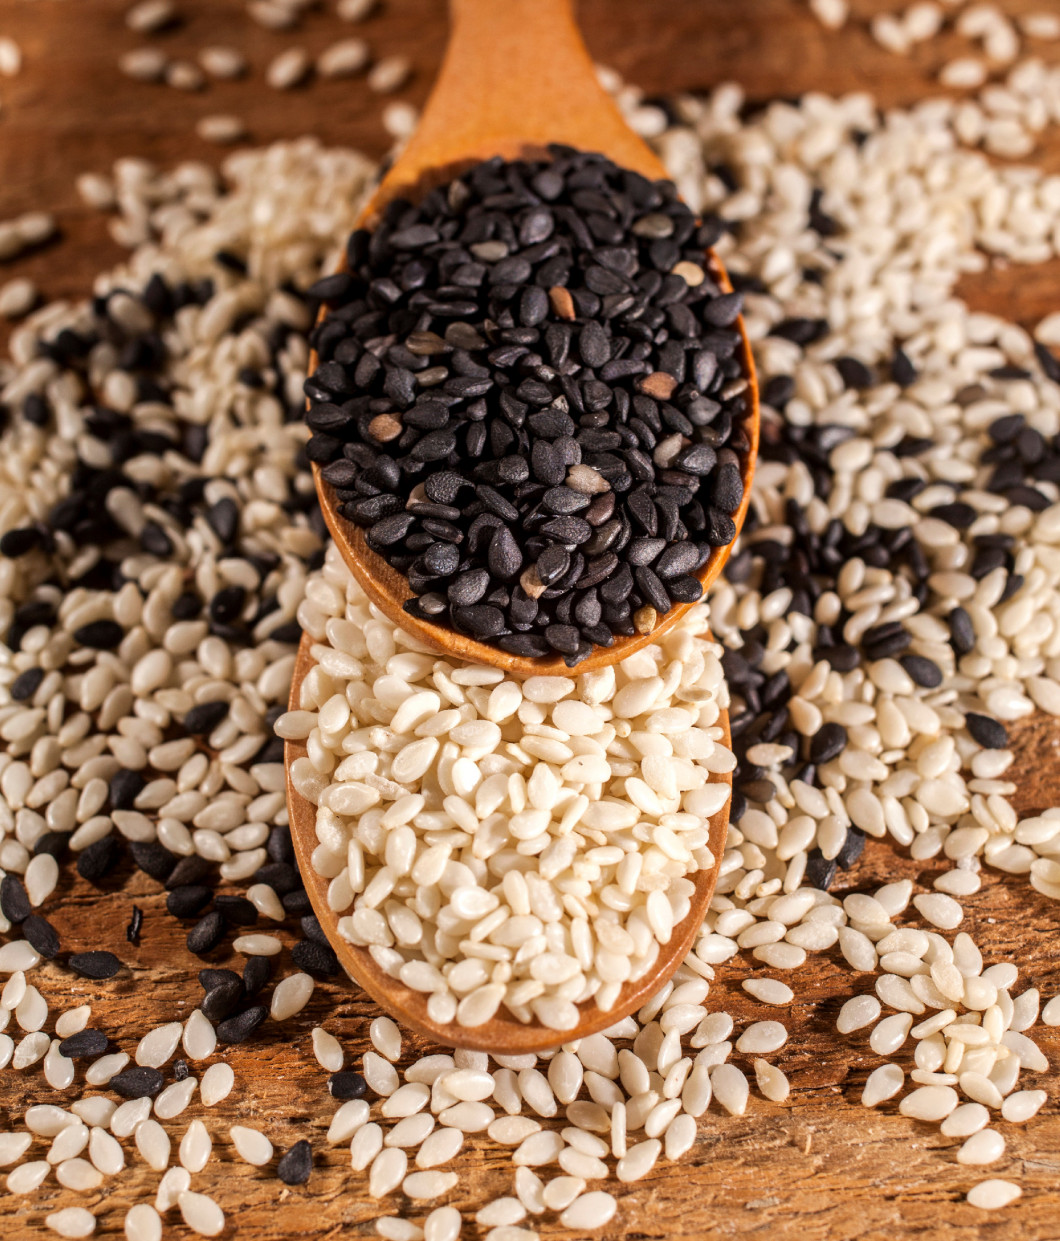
{"points": [[503, 1035], [516, 77]]}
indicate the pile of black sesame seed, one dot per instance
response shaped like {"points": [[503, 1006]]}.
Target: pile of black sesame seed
{"points": [[82, 519], [810, 564], [530, 391]]}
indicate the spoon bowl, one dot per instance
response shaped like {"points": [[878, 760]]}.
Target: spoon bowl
{"points": [[516, 78], [503, 1034]]}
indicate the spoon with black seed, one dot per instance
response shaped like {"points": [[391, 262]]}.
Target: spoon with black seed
{"points": [[533, 406]]}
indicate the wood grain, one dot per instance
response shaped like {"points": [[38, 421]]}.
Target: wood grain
{"points": [[819, 1168]]}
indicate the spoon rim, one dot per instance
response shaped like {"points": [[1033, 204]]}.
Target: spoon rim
{"points": [[502, 1034]]}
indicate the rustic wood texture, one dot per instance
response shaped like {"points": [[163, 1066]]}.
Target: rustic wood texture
{"points": [[819, 1167]]}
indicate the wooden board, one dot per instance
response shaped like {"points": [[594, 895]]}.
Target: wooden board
{"points": [[820, 1167]]}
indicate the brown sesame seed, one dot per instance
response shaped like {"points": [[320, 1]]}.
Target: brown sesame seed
{"points": [[424, 344], [561, 302], [532, 583], [644, 619], [691, 273], [659, 385], [385, 427], [586, 480]]}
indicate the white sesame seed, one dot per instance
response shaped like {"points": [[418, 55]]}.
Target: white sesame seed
{"points": [[289, 69], [882, 1084], [993, 1195], [389, 74], [217, 1083], [156, 1048], [143, 1223], [72, 1222], [201, 1214], [221, 128], [196, 1147], [344, 59]]}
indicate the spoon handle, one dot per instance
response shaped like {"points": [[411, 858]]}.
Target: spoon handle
{"points": [[516, 76]]}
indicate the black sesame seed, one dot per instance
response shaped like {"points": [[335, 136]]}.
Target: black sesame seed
{"points": [[188, 900], [189, 870], [136, 922], [227, 604], [125, 787], [100, 635], [962, 631], [885, 641], [827, 743], [98, 964], [204, 717], [281, 876], [482, 621], [206, 934], [239, 1028], [923, 671], [820, 871], [223, 518], [316, 959], [223, 1000], [1006, 428], [237, 910], [256, 973], [778, 391], [279, 847], [26, 684], [96, 860], [296, 1165], [210, 978], [677, 560], [296, 903], [991, 734], [956, 514], [800, 330], [83, 1045], [42, 935], [181, 1071], [854, 373], [347, 1085], [852, 848], [19, 542], [155, 541], [151, 857], [14, 903], [903, 372], [1047, 360], [186, 606], [139, 1082]]}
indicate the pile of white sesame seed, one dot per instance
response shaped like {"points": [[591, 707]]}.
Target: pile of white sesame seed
{"points": [[290, 68], [492, 841], [909, 209], [1014, 93]]}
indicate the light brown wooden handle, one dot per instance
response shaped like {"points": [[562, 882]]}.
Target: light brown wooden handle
{"points": [[512, 67], [516, 76]]}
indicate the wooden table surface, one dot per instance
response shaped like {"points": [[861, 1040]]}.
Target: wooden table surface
{"points": [[818, 1167]]}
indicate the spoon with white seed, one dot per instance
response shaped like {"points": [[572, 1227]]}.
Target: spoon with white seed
{"points": [[502, 1034]]}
